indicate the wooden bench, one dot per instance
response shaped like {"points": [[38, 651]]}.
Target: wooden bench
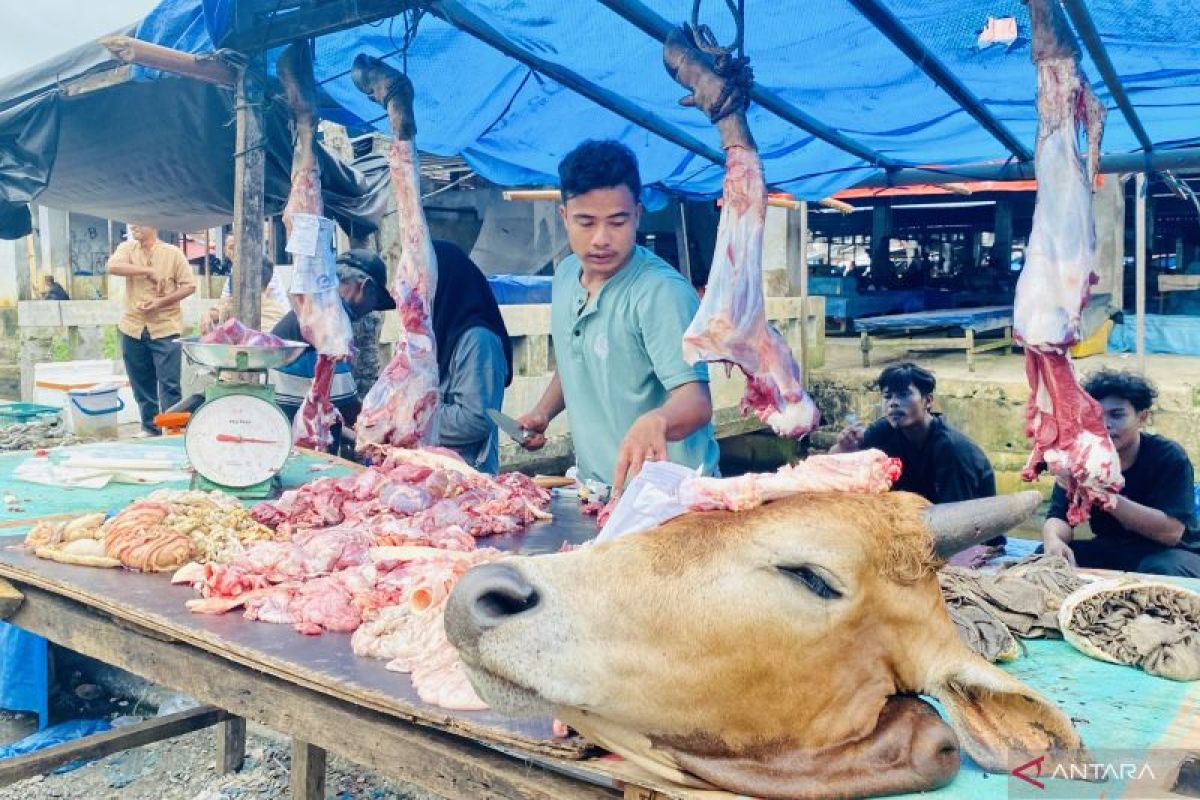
{"points": [[917, 331]]}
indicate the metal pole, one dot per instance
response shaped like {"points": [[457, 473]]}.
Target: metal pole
{"points": [[682, 245], [803, 214], [248, 180], [1140, 279]]}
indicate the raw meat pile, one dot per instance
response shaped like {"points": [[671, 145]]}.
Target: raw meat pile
{"points": [[379, 549], [731, 324], [1065, 425], [234, 332], [864, 472], [319, 310]]}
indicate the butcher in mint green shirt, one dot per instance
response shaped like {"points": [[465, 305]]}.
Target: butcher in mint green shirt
{"points": [[618, 313]]}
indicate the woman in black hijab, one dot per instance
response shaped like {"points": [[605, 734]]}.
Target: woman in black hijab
{"points": [[474, 358]]}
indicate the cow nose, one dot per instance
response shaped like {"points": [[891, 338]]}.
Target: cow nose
{"points": [[485, 597]]}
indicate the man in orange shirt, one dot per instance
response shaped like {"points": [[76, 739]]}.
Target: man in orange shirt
{"points": [[157, 278]]}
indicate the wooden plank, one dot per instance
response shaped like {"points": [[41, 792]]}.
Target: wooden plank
{"points": [[10, 599], [445, 764], [249, 173], [109, 742], [307, 772], [231, 745]]}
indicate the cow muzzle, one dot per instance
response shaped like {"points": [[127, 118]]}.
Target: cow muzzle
{"points": [[484, 598]]}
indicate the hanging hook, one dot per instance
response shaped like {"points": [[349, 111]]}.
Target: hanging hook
{"points": [[707, 41]]}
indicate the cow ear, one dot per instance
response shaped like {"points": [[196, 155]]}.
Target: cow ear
{"points": [[998, 719]]}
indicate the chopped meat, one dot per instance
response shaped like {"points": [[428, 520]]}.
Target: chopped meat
{"points": [[1065, 425], [231, 331]]}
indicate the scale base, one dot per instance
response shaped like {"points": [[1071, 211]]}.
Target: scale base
{"points": [[266, 490]]}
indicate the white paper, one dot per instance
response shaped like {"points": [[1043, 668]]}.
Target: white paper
{"points": [[998, 30], [649, 500], [306, 231], [316, 272]]}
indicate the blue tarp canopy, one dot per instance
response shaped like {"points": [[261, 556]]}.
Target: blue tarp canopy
{"points": [[827, 59]]}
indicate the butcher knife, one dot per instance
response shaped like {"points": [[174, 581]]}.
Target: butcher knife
{"points": [[509, 426]]}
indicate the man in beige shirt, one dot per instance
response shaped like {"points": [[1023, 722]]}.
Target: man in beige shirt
{"points": [[157, 278]]}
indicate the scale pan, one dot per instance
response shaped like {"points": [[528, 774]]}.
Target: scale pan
{"points": [[226, 356]]}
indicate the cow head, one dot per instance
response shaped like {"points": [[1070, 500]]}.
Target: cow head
{"points": [[771, 652]]}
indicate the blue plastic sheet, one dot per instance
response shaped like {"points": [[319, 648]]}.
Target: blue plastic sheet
{"points": [[1164, 334], [513, 126], [56, 735], [519, 289], [24, 673]]}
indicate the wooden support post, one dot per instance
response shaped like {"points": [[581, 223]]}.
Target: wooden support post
{"points": [[1001, 255], [308, 771], [865, 344], [102, 744], [10, 599], [970, 350], [1139, 189], [797, 271], [231, 745], [881, 232], [248, 177], [682, 240]]}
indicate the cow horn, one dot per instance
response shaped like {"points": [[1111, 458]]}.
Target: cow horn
{"points": [[957, 526]]}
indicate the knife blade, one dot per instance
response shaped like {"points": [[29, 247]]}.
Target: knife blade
{"points": [[508, 425]]}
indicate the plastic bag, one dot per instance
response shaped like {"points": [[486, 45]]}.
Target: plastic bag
{"points": [[56, 735]]}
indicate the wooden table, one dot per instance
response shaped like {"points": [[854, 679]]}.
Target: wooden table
{"points": [[914, 331]]}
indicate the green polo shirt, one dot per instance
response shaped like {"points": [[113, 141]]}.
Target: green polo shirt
{"points": [[620, 355]]}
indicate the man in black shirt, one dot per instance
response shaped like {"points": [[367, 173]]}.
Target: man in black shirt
{"points": [[939, 463], [1153, 527]]}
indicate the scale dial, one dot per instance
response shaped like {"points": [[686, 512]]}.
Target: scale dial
{"points": [[238, 440]]}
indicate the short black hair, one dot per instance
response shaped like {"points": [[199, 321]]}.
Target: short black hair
{"points": [[1123, 384], [268, 271], [898, 377], [599, 164]]}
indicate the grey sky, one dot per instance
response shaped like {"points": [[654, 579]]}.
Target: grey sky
{"points": [[32, 31]]}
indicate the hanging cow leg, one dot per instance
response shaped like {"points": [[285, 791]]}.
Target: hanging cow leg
{"points": [[323, 320], [731, 324], [401, 406]]}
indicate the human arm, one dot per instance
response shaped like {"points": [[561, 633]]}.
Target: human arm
{"points": [[1056, 533], [538, 418], [120, 263], [477, 372], [167, 300], [1155, 525], [687, 410], [850, 440]]}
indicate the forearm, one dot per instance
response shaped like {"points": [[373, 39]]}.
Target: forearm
{"points": [[177, 296], [126, 269], [1054, 528], [688, 409], [1148, 522], [551, 403], [459, 425]]}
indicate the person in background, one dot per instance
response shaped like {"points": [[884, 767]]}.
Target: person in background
{"points": [[53, 290], [362, 282], [617, 317], [273, 304], [939, 463], [1153, 527], [157, 279], [474, 358]]}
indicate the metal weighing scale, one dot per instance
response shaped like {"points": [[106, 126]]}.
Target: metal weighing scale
{"points": [[239, 439]]}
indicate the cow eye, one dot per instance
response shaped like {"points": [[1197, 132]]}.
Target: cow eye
{"points": [[809, 579]]}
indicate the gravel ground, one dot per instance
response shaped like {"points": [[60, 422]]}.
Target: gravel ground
{"points": [[182, 769]]}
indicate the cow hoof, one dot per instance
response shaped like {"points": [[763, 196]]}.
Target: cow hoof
{"points": [[295, 71], [720, 83], [390, 88]]}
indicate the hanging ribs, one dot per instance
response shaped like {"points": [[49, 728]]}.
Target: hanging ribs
{"points": [[731, 324], [323, 320], [1065, 424], [399, 410]]}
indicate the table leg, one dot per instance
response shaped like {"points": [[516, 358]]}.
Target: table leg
{"points": [[865, 339], [1008, 335], [970, 350], [308, 771], [231, 745]]}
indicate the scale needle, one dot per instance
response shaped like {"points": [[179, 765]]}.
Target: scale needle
{"points": [[233, 437]]}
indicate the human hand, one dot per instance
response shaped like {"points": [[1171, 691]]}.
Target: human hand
{"points": [[1054, 546], [851, 438], [534, 424], [645, 441], [149, 305]]}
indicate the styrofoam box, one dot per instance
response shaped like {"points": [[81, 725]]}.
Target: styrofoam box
{"points": [[52, 380]]}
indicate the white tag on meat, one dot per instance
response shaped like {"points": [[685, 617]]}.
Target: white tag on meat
{"points": [[306, 231], [315, 270]]}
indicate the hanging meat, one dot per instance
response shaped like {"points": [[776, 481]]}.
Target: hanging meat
{"points": [[314, 291], [731, 324], [399, 409], [1064, 423]]}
